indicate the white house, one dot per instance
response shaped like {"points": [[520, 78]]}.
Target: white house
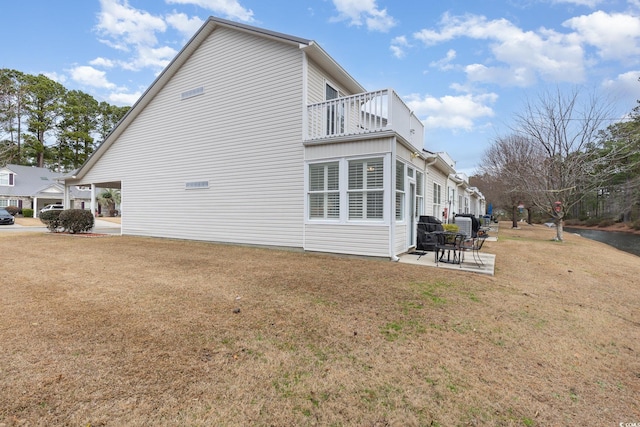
{"points": [[255, 137]]}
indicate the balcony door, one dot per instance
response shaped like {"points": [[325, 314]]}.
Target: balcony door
{"points": [[335, 111]]}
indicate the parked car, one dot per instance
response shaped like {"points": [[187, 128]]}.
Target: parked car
{"points": [[6, 217], [53, 207]]}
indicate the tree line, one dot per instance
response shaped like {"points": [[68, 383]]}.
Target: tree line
{"points": [[43, 124], [565, 157]]}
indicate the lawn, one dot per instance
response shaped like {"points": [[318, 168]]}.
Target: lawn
{"points": [[133, 331]]}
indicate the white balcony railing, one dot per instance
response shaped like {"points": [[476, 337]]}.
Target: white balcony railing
{"points": [[364, 113]]}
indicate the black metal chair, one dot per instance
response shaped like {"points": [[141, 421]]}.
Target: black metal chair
{"points": [[449, 243], [473, 245]]}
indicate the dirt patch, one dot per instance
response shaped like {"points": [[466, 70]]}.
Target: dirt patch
{"points": [[139, 331]]}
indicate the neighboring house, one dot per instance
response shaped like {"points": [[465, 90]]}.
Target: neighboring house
{"points": [[34, 188], [256, 137]]}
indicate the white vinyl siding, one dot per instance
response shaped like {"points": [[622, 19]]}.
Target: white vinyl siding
{"points": [[368, 240], [324, 191], [242, 135], [366, 189]]}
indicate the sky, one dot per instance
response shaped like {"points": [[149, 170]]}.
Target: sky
{"points": [[465, 67]]}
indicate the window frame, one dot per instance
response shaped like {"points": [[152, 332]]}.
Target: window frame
{"points": [[371, 198], [326, 193], [10, 179]]}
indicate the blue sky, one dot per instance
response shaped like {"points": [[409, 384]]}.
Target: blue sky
{"points": [[464, 66]]}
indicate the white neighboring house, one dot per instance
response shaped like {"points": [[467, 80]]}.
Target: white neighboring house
{"points": [[255, 137], [30, 187]]}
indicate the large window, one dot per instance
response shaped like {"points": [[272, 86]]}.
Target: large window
{"points": [[400, 191], [4, 203], [324, 191], [366, 189], [437, 200]]}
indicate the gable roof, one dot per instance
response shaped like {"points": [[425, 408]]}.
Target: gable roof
{"points": [[31, 181], [311, 49], [28, 180]]}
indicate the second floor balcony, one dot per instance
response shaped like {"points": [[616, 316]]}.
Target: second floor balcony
{"points": [[364, 113]]}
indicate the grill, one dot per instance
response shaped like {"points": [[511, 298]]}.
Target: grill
{"points": [[426, 226]]}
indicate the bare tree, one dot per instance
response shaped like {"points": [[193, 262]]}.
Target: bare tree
{"points": [[507, 163], [553, 156]]}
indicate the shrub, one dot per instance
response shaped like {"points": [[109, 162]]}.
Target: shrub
{"points": [[27, 213], [591, 222], [52, 220], [636, 224], [453, 228], [76, 220], [606, 223], [572, 221], [13, 210]]}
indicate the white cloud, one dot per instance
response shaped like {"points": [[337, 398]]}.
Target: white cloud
{"points": [[102, 62], [124, 98], [56, 77], [230, 9], [398, 45], [359, 12], [624, 87], [616, 36], [124, 26], [444, 64], [89, 76], [452, 112], [181, 22], [525, 55], [149, 57]]}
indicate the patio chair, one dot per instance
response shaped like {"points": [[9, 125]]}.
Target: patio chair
{"points": [[473, 245], [449, 243]]}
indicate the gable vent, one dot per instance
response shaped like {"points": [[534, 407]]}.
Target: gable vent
{"points": [[191, 93], [196, 184]]}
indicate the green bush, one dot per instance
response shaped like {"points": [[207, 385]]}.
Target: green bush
{"points": [[636, 224], [592, 222], [606, 223], [76, 220], [452, 228], [27, 213], [52, 220], [13, 210]]}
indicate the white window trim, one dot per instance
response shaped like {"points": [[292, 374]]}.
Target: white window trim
{"points": [[344, 192]]}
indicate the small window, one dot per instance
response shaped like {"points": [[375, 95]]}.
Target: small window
{"points": [[6, 179]]}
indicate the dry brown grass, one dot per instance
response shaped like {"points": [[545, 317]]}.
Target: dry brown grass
{"points": [[133, 331]]}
